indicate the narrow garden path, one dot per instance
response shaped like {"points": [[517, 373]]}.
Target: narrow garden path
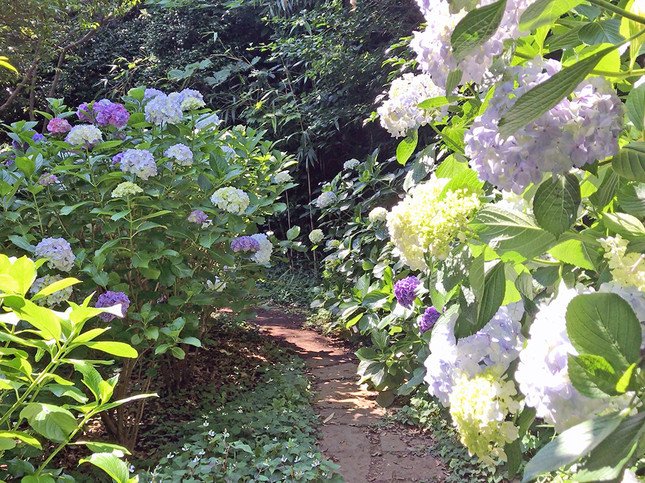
{"points": [[352, 433]]}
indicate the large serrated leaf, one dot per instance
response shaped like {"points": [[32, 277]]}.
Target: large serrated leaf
{"points": [[543, 97], [556, 203], [635, 106], [406, 147], [476, 27], [630, 161], [544, 12]]}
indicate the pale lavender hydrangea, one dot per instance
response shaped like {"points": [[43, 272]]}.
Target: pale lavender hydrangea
{"points": [[58, 251], [110, 299], [47, 179], [198, 216], [245, 244], [139, 162], [180, 153], [351, 164], [150, 93], [428, 319], [84, 135], [434, 50], [189, 99], [55, 298], [498, 343], [161, 109], [58, 126], [404, 290], [576, 132], [263, 255], [326, 198]]}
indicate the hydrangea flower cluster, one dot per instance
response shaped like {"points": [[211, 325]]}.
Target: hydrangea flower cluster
{"points": [[626, 268], [263, 255], [47, 179], [84, 135], [326, 198], [162, 109], [180, 153], [231, 200], [36, 137], [188, 99], [542, 373], [434, 49], [404, 290], [479, 407], [428, 319], [427, 222], [245, 244], [351, 164], [58, 251], [110, 299], [150, 93], [198, 216], [400, 112], [316, 236], [378, 215], [110, 113], [139, 162], [216, 285], [331, 244], [56, 125], [498, 343], [208, 121], [281, 177], [55, 298], [576, 132], [125, 189]]}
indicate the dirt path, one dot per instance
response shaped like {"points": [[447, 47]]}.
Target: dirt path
{"points": [[351, 435]]}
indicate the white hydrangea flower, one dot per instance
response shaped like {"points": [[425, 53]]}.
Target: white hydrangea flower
{"points": [[55, 298], [400, 112], [84, 135], [326, 198], [316, 236], [180, 153], [208, 121], [163, 109], [125, 189], [231, 200], [351, 164], [263, 255], [216, 285], [378, 215], [281, 177], [626, 268]]}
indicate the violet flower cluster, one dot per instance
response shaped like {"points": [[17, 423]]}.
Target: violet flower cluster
{"points": [[58, 126], [104, 113], [110, 299], [428, 319], [245, 244], [404, 290]]}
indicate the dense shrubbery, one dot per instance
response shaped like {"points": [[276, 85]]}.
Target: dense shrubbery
{"points": [[519, 259]]}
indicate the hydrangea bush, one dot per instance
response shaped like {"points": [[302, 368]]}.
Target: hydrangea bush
{"points": [[149, 198], [523, 224]]}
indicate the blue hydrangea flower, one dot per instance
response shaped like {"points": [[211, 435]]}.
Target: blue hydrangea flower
{"points": [[162, 109], [139, 162], [110, 299], [58, 251], [428, 319], [245, 244], [404, 290]]}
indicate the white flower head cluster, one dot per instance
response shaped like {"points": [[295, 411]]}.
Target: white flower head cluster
{"points": [[326, 198], [139, 162], [188, 99], [55, 298], [316, 236], [626, 268], [84, 135], [400, 112], [377, 215], [576, 132], [434, 49], [232, 200], [208, 121], [542, 373], [426, 222], [163, 109], [497, 344], [479, 406], [514, 202], [125, 189], [281, 177], [263, 255], [180, 153], [351, 164]]}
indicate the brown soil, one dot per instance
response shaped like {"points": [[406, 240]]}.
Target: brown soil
{"points": [[351, 433]]}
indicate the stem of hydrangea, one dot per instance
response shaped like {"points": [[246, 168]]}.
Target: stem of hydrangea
{"points": [[40, 219], [620, 11], [56, 213]]}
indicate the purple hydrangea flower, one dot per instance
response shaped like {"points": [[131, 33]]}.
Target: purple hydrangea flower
{"points": [[36, 137], [404, 290], [139, 162], [245, 244], [58, 251], [47, 179], [111, 114], [428, 319], [85, 113], [198, 216], [109, 299], [58, 126], [150, 93]]}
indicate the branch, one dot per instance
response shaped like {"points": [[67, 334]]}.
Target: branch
{"points": [[25, 80]]}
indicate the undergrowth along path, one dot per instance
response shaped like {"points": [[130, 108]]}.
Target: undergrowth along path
{"points": [[352, 434]]}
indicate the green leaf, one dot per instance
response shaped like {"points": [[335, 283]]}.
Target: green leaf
{"points": [[606, 192], [607, 460], [635, 105], [55, 287], [624, 383], [194, 341], [111, 464], [22, 436], [454, 79], [543, 97], [120, 349], [293, 232], [631, 199], [592, 376], [450, 167], [43, 319], [53, 422], [625, 225], [545, 12], [556, 203], [437, 102], [406, 147], [576, 252], [26, 165], [494, 289], [21, 242], [99, 447], [570, 445], [37, 479], [630, 161], [604, 324], [476, 28], [507, 231]]}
